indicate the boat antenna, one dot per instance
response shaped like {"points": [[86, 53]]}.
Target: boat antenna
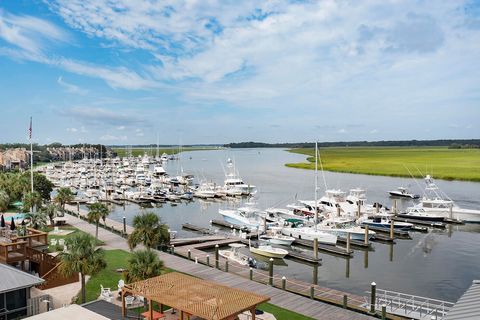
{"points": [[321, 166], [413, 177]]}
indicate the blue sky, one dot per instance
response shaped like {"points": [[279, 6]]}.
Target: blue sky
{"points": [[123, 71]]}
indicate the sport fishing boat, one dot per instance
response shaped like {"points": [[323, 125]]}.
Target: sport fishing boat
{"points": [[269, 251], [436, 202], [235, 255], [309, 233], [384, 221], [402, 192], [342, 226], [247, 216], [235, 183]]}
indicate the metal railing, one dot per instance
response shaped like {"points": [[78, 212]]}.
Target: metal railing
{"points": [[416, 307]]}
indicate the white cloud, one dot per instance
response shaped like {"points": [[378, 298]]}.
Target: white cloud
{"points": [[71, 88], [109, 137], [342, 130], [373, 131], [121, 128], [72, 129]]}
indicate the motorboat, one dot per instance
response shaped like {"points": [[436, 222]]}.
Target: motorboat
{"points": [[421, 214], [235, 255], [384, 221], [436, 202], [234, 182], [269, 251], [402, 192], [245, 216], [342, 226], [274, 236]]}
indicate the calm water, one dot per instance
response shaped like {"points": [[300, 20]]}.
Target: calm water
{"points": [[440, 264]]}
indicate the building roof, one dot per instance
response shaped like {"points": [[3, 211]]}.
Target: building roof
{"points": [[468, 306], [71, 312], [205, 299], [12, 278], [108, 310]]}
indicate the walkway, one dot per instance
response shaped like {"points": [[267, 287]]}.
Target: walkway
{"points": [[281, 298]]}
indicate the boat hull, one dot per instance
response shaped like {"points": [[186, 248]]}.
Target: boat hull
{"points": [[422, 217], [270, 254], [299, 233]]}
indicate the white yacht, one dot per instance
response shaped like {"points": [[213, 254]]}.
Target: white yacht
{"points": [[309, 233], [402, 192], [342, 226], [234, 182], [435, 201], [274, 235], [245, 216], [421, 214]]}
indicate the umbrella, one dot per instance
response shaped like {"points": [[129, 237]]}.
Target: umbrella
{"points": [[23, 223], [2, 222], [12, 225]]}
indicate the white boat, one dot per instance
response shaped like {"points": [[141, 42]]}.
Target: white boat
{"points": [[204, 191], [435, 201], [242, 217], [402, 192], [421, 214], [269, 251], [384, 221], [342, 226], [234, 254], [235, 183], [274, 236], [309, 233]]}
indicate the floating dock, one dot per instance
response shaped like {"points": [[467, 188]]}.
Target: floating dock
{"points": [[433, 224], [396, 232], [325, 248]]}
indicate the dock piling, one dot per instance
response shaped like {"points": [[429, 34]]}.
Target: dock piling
{"points": [[270, 271], [284, 283], [208, 260], [384, 312], [366, 235], [395, 207], [173, 249], [216, 257], [315, 248], [196, 260], [124, 225], [338, 211], [345, 301], [392, 229], [226, 266], [189, 254], [312, 292], [251, 273], [359, 209], [349, 238], [373, 297]]}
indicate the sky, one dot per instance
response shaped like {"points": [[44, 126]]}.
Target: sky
{"points": [[207, 71]]}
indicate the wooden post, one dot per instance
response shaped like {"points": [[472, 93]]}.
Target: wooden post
{"points": [[150, 308], [78, 207], [338, 211], [384, 312], [315, 248], [270, 271], [216, 257], [189, 254], [253, 312], [359, 209], [226, 266], [315, 274], [366, 235], [365, 259], [345, 301], [124, 225], [347, 267], [392, 229], [173, 249], [208, 260], [395, 206], [349, 236], [284, 282], [373, 288], [390, 251], [312, 292], [124, 311]]}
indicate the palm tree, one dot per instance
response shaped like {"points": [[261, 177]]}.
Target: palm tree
{"points": [[82, 257], [96, 212], [51, 211], [149, 231], [32, 200], [143, 264], [38, 220], [63, 196], [4, 201]]}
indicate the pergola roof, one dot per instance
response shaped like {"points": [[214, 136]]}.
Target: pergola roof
{"points": [[205, 299]]}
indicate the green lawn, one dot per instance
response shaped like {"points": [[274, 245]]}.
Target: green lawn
{"points": [[280, 313], [441, 163], [58, 237]]}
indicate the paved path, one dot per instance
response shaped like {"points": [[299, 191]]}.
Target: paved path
{"points": [[281, 298]]}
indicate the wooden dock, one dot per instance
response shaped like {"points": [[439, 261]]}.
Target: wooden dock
{"points": [[357, 244], [439, 225], [203, 230], [331, 249], [229, 225], [401, 234]]}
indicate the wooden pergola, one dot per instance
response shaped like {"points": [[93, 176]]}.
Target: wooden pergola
{"points": [[194, 297]]}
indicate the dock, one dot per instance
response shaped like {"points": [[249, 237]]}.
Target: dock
{"points": [[229, 225], [401, 234], [331, 249], [354, 243], [433, 224], [195, 228], [117, 202]]}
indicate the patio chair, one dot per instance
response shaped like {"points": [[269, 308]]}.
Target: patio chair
{"points": [[61, 242], [106, 293], [53, 242], [129, 301], [121, 284]]}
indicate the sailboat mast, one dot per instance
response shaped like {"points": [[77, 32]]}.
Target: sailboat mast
{"points": [[31, 154], [316, 184]]}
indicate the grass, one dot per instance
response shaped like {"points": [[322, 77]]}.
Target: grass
{"points": [[117, 259], [440, 162], [122, 152], [280, 313], [58, 237]]}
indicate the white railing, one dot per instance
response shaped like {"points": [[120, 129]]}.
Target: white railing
{"points": [[410, 305]]}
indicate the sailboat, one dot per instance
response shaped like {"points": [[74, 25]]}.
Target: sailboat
{"points": [[311, 233]]}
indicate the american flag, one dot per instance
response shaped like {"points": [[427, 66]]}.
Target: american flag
{"points": [[30, 129]]}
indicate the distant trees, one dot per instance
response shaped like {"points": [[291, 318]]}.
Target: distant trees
{"points": [[463, 146]]}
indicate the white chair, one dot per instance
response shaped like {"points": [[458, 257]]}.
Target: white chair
{"points": [[55, 230], [129, 300], [121, 284], [53, 242], [106, 293], [61, 242]]}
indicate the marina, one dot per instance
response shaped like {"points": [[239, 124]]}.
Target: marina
{"points": [[203, 218]]}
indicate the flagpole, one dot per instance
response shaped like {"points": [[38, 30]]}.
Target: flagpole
{"points": [[31, 155]]}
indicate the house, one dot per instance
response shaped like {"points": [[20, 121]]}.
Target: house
{"points": [[16, 158], [15, 289]]}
